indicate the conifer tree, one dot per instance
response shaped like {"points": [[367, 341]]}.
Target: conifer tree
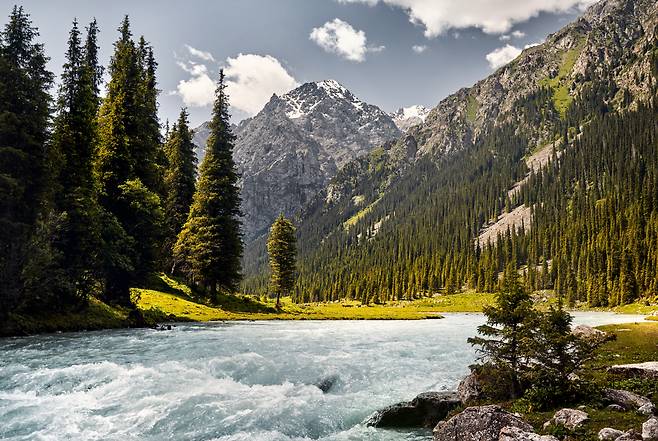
{"points": [[24, 168], [504, 338], [282, 250], [74, 138], [126, 167], [210, 244], [180, 178]]}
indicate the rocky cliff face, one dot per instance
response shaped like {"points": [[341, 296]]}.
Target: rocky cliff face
{"points": [[290, 150]]}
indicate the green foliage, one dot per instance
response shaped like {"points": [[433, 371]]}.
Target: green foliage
{"points": [[209, 247], [282, 249], [560, 84], [25, 169], [180, 178]]}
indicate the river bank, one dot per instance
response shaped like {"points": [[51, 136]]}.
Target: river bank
{"points": [[166, 300]]}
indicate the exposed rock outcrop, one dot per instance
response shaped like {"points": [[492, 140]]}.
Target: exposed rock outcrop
{"points": [[570, 419], [628, 400], [480, 423], [426, 410], [648, 370]]}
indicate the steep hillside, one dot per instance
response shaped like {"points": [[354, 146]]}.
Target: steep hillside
{"points": [[290, 150], [404, 221]]}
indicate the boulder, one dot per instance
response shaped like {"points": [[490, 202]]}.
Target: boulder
{"points": [[469, 389], [588, 333], [327, 383], [609, 434], [426, 410], [478, 423], [648, 370], [646, 409], [616, 408], [516, 434], [628, 400], [630, 435], [650, 430], [569, 418]]}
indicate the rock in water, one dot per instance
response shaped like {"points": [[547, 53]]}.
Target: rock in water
{"points": [[516, 434], [609, 434], [569, 418], [629, 400], [327, 383], [650, 430], [469, 389], [425, 410], [478, 423], [648, 370]]}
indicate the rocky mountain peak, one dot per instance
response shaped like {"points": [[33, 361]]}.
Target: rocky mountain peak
{"points": [[407, 117]]}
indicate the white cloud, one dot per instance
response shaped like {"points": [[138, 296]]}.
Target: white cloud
{"points": [[502, 56], [252, 79], [419, 48], [492, 16], [205, 56], [515, 34], [339, 37], [199, 89]]}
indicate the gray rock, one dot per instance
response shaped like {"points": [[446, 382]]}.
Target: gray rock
{"points": [[469, 389], [646, 409], [630, 435], [628, 400], [569, 418], [478, 423], [295, 145], [426, 410], [650, 430], [516, 434], [609, 434], [588, 333], [648, 370], [327, 383], [616, 408]]}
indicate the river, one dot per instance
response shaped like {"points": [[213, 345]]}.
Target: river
{"points": [[240, 381]]}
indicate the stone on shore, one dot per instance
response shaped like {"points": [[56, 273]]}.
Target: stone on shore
{"points": [[469, 389], [568, 418], [648, 370], [426, 410], [478, 423], [588, 333], [609, 434]]}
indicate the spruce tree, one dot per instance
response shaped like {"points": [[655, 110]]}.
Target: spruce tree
{"points": [[282, 250], [24, 157], [127, 171], [74, 138], [504, 338], [210, 244], [180, 178]]}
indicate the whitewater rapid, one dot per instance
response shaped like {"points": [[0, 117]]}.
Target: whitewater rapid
{"points": [[232, 381]]}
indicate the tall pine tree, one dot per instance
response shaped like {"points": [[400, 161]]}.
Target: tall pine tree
{"points": [[77, 238], [180, 178], [282, 250], [24, 166], [210, 244]]}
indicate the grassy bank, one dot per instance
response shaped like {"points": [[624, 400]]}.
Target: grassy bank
{"points": [[635, 343], [165, 299]]}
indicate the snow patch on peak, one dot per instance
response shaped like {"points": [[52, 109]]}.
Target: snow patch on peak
{"points": [[407, 117]]}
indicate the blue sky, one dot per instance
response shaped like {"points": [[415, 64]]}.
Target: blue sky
{"points": [[391, 53]]}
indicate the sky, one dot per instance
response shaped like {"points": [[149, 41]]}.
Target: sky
{"points": [[391, 53]]}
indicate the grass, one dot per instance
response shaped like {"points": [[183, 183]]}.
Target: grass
{"points": [[560, 84], [472, 109], [349, 223]]}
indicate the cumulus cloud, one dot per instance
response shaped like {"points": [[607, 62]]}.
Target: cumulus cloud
{"points": [[419, 48], [492, 16], [199, 89], [502, 56], [340, 38], [252, 79], [515, 34], [206, 56]]}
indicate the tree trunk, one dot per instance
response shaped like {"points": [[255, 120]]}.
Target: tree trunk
{"points": [[278, 302]]}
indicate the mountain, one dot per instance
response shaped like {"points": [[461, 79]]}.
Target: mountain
{"points": [[550, 163], [291, 149], [407, 117]]}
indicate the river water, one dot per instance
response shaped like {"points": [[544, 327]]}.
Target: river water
{"points": [[240, 381]]}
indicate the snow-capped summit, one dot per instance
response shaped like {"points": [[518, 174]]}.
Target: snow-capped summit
{"points": [[290, 150], [407, 117]]}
